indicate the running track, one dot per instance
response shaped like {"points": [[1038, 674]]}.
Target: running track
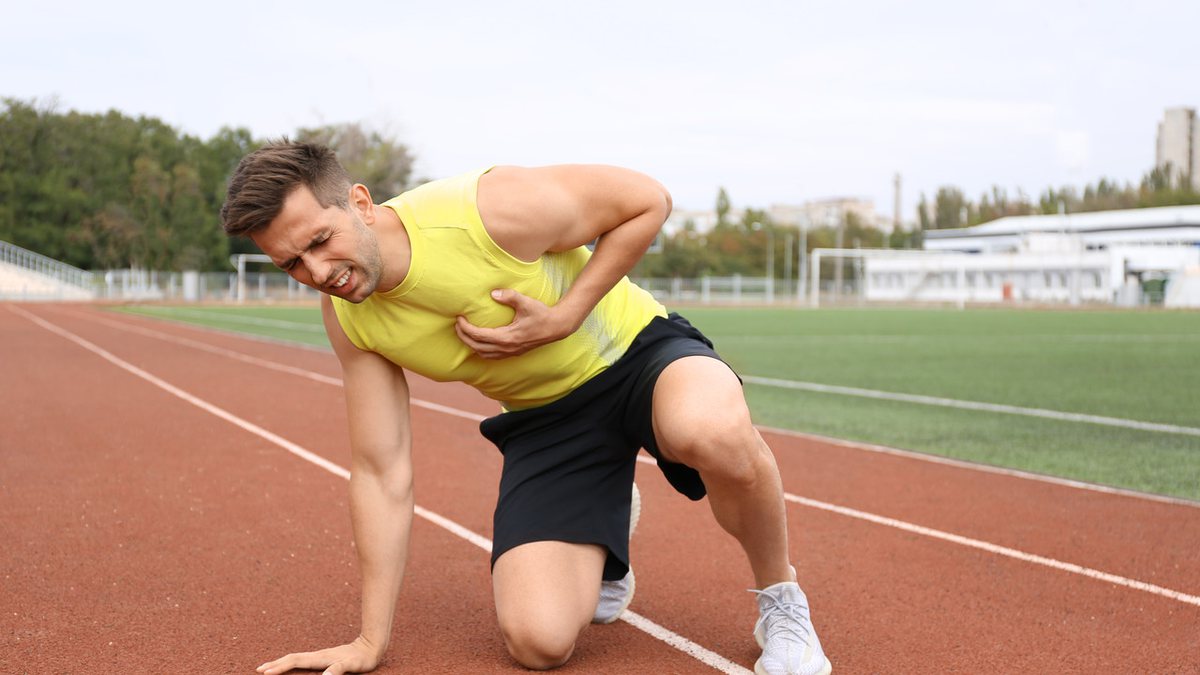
{"points": [[142, 532]]}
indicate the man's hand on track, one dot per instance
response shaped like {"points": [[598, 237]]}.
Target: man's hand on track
{"points": [[357, 657]]}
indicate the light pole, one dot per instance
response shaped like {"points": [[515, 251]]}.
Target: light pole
{"points": [[770, 285], [787, 262], [802, 263], [839, 221]]}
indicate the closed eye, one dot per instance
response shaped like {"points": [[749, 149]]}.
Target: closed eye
{"points": [[290, 264]]}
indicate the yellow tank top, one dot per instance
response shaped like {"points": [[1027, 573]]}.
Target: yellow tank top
{"points": [[455, 266]]}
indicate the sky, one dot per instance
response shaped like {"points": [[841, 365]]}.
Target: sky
{"points": [[779, 102]]}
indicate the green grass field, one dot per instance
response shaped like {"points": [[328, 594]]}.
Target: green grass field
{"points": [[1142, 366]]}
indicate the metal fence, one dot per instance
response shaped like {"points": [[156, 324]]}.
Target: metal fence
{"points": [[25, 275], [201, 286], [736, 289]]}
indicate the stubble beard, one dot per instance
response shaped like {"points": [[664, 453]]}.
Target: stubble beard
{"points": [[370, 264]]}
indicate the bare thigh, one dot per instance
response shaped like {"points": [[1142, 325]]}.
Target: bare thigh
{"points": [[699, 412]]}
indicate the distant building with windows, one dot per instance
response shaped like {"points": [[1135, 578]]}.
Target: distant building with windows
{"points": [[703, 221], [1178, 143], [829, 212]]}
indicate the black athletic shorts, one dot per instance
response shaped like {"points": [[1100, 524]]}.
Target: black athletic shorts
{"points": [[569, 465]]}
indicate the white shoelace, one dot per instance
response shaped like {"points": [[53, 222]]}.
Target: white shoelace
{"points": [[775, 617]]}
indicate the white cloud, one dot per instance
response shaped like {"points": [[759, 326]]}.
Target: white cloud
{"points": [[779, 101], [1072, 150]]}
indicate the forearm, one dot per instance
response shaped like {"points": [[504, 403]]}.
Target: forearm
{"points": [[382, 512], [616, 253]]}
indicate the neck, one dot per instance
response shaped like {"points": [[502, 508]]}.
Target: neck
{"points": [[394, 247]]}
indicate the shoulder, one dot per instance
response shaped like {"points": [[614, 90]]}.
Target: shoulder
{"points": [[535, 178], [522, 208], [505, 183], [567, 184], [557, 190]]}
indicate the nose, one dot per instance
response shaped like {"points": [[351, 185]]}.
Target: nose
{"points": [[318, 270]]}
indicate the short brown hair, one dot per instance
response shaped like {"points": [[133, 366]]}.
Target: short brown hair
{"points": [[265, 178]]}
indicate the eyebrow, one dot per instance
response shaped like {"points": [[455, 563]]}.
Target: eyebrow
{"points": [[290, 262]]}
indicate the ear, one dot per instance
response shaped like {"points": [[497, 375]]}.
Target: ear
{"points": [[360, 202]]}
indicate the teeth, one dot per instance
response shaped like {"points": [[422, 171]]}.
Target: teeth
{"points": [[342, 280]]}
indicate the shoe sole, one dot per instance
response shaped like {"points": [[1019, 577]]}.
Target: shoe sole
{"points": [[759, 670]]}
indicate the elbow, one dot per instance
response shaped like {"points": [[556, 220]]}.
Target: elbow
{"points": [[658, 209], [666, 204]]}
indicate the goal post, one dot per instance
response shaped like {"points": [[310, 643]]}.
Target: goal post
{"points": [[239, 261], [869, 275]]}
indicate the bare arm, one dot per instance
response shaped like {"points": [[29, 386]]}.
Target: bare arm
{"points": [[529, 212], [381, 501]]}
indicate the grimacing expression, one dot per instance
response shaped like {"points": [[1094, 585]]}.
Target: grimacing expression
{"points": [[330, 249]]}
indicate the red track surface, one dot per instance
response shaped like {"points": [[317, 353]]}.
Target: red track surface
{"points": [[144, 534]]}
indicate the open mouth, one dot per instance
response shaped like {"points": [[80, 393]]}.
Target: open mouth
{"points": [[342, 280]]}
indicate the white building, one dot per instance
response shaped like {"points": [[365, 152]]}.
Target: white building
{"points": [[1105, 256], [1168, 225], [702, 220], [1178, 143]]}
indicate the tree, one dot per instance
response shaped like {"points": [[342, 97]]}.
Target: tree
{"points": [[103, 190], [149, 187], [383, 164], [949, 205], [723, 207], [923, 213], [195, 242]]}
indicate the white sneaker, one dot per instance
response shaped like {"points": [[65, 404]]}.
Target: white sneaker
{"points": [[785, 632], [615, 596]]}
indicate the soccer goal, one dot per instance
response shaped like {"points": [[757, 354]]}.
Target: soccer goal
{"points": [[263, 285], [839, 276]]}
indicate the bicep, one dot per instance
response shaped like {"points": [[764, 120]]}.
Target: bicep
{"points": [[555, 208]]}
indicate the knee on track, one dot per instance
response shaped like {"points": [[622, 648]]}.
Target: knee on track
{"points": [[538, 648]]}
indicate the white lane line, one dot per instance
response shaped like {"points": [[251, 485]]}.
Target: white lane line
{"points": [[717, 661], [200, 403], [899, 339], [930, 532], [975, 466], [973, 405], [272, 365], [705, 656], [708, 657], [246, 320], [844, 391], [998, 550], [984, 546]]}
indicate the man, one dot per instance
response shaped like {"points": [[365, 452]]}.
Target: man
{"points": [[485, 278]]}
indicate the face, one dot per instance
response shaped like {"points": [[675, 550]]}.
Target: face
{"points": [[330, 249]]}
